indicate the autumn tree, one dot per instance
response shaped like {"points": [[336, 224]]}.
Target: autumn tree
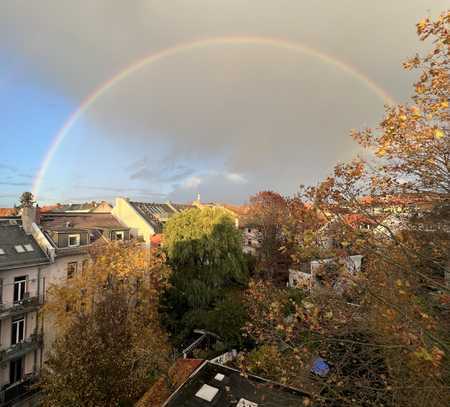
{"points": [[204, 249], [268, 213], [110, 345], [387, 342]]}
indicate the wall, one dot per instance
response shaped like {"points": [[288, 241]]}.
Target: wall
{"points": [[126, 214], [56, 273], [31, 320]]}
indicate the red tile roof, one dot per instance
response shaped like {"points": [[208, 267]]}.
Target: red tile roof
{"points": [[7, 211]]}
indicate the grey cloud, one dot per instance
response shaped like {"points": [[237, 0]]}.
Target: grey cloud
{"points": [[276, 117]]}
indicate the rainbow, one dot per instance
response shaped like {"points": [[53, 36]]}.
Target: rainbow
{"points": [[100, 90]]}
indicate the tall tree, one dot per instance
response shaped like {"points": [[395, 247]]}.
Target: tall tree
{"points": [[204, 249], [110, 346], [268, 212]]}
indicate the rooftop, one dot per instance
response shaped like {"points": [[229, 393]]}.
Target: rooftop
{"points": [[17, 249], [84, 221], [158, 213], [221, 386]]}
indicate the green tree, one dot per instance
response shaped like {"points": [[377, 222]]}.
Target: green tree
{"points": [[204, 249]]}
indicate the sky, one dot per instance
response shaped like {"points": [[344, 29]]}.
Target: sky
{"points": [[225, 118]]}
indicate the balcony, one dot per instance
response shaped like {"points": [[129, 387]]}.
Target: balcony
{"points": [[25, 390], [34, 341], [28, 304]]}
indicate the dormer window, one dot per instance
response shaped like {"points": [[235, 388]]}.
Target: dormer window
{"points": [[120, 235], [74, 240]]}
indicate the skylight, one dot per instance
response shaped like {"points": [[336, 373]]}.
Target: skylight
{"points": [[29, 248], [246, 403], [2, 251], [207, 392], [19, 248], [219, 377]]}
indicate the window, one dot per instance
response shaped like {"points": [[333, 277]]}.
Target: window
{"points": [[17, 330], [207, 392], [19, 248], [29, 248], [120, 235], [249, 242], [246, 403], [249, 230], [74, 240], [20, 285], [15, 370], [71, 269], [1, 251]]}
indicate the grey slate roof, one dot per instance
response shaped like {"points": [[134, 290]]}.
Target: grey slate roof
{"points": [[232, 388], [13, 235], [156, 214]]}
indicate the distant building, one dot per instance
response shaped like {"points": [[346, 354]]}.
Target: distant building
{"points": [[145, 219], [87, 207]]}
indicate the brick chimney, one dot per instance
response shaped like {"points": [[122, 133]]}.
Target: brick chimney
{"points": [[28, 218]]}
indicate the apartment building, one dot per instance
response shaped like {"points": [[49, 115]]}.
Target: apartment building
{"points": [[22, 265]]}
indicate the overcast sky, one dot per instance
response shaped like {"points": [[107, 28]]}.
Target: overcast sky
{"points": [[225, 119]]}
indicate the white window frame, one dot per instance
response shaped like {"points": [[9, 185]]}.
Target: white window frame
{"points": [[120, 233], [77, 237], [22, 288], [21, 321]]}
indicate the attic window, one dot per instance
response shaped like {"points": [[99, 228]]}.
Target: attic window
{"points": [[19, 248], [2, 251], [29, 248], [246, 403], [219, 377], [74, 240], [207, 392]]}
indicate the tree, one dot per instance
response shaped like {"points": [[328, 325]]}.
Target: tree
{"points": [[268, 212], [388, 342], [110, 346], [204, 249], [26, 200]]}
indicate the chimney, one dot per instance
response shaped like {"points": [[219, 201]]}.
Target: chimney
{"points": [[28, 218]]}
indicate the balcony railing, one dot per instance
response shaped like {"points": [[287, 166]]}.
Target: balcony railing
{"points": [[13, 394], [28, 304], [34, 341]]}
